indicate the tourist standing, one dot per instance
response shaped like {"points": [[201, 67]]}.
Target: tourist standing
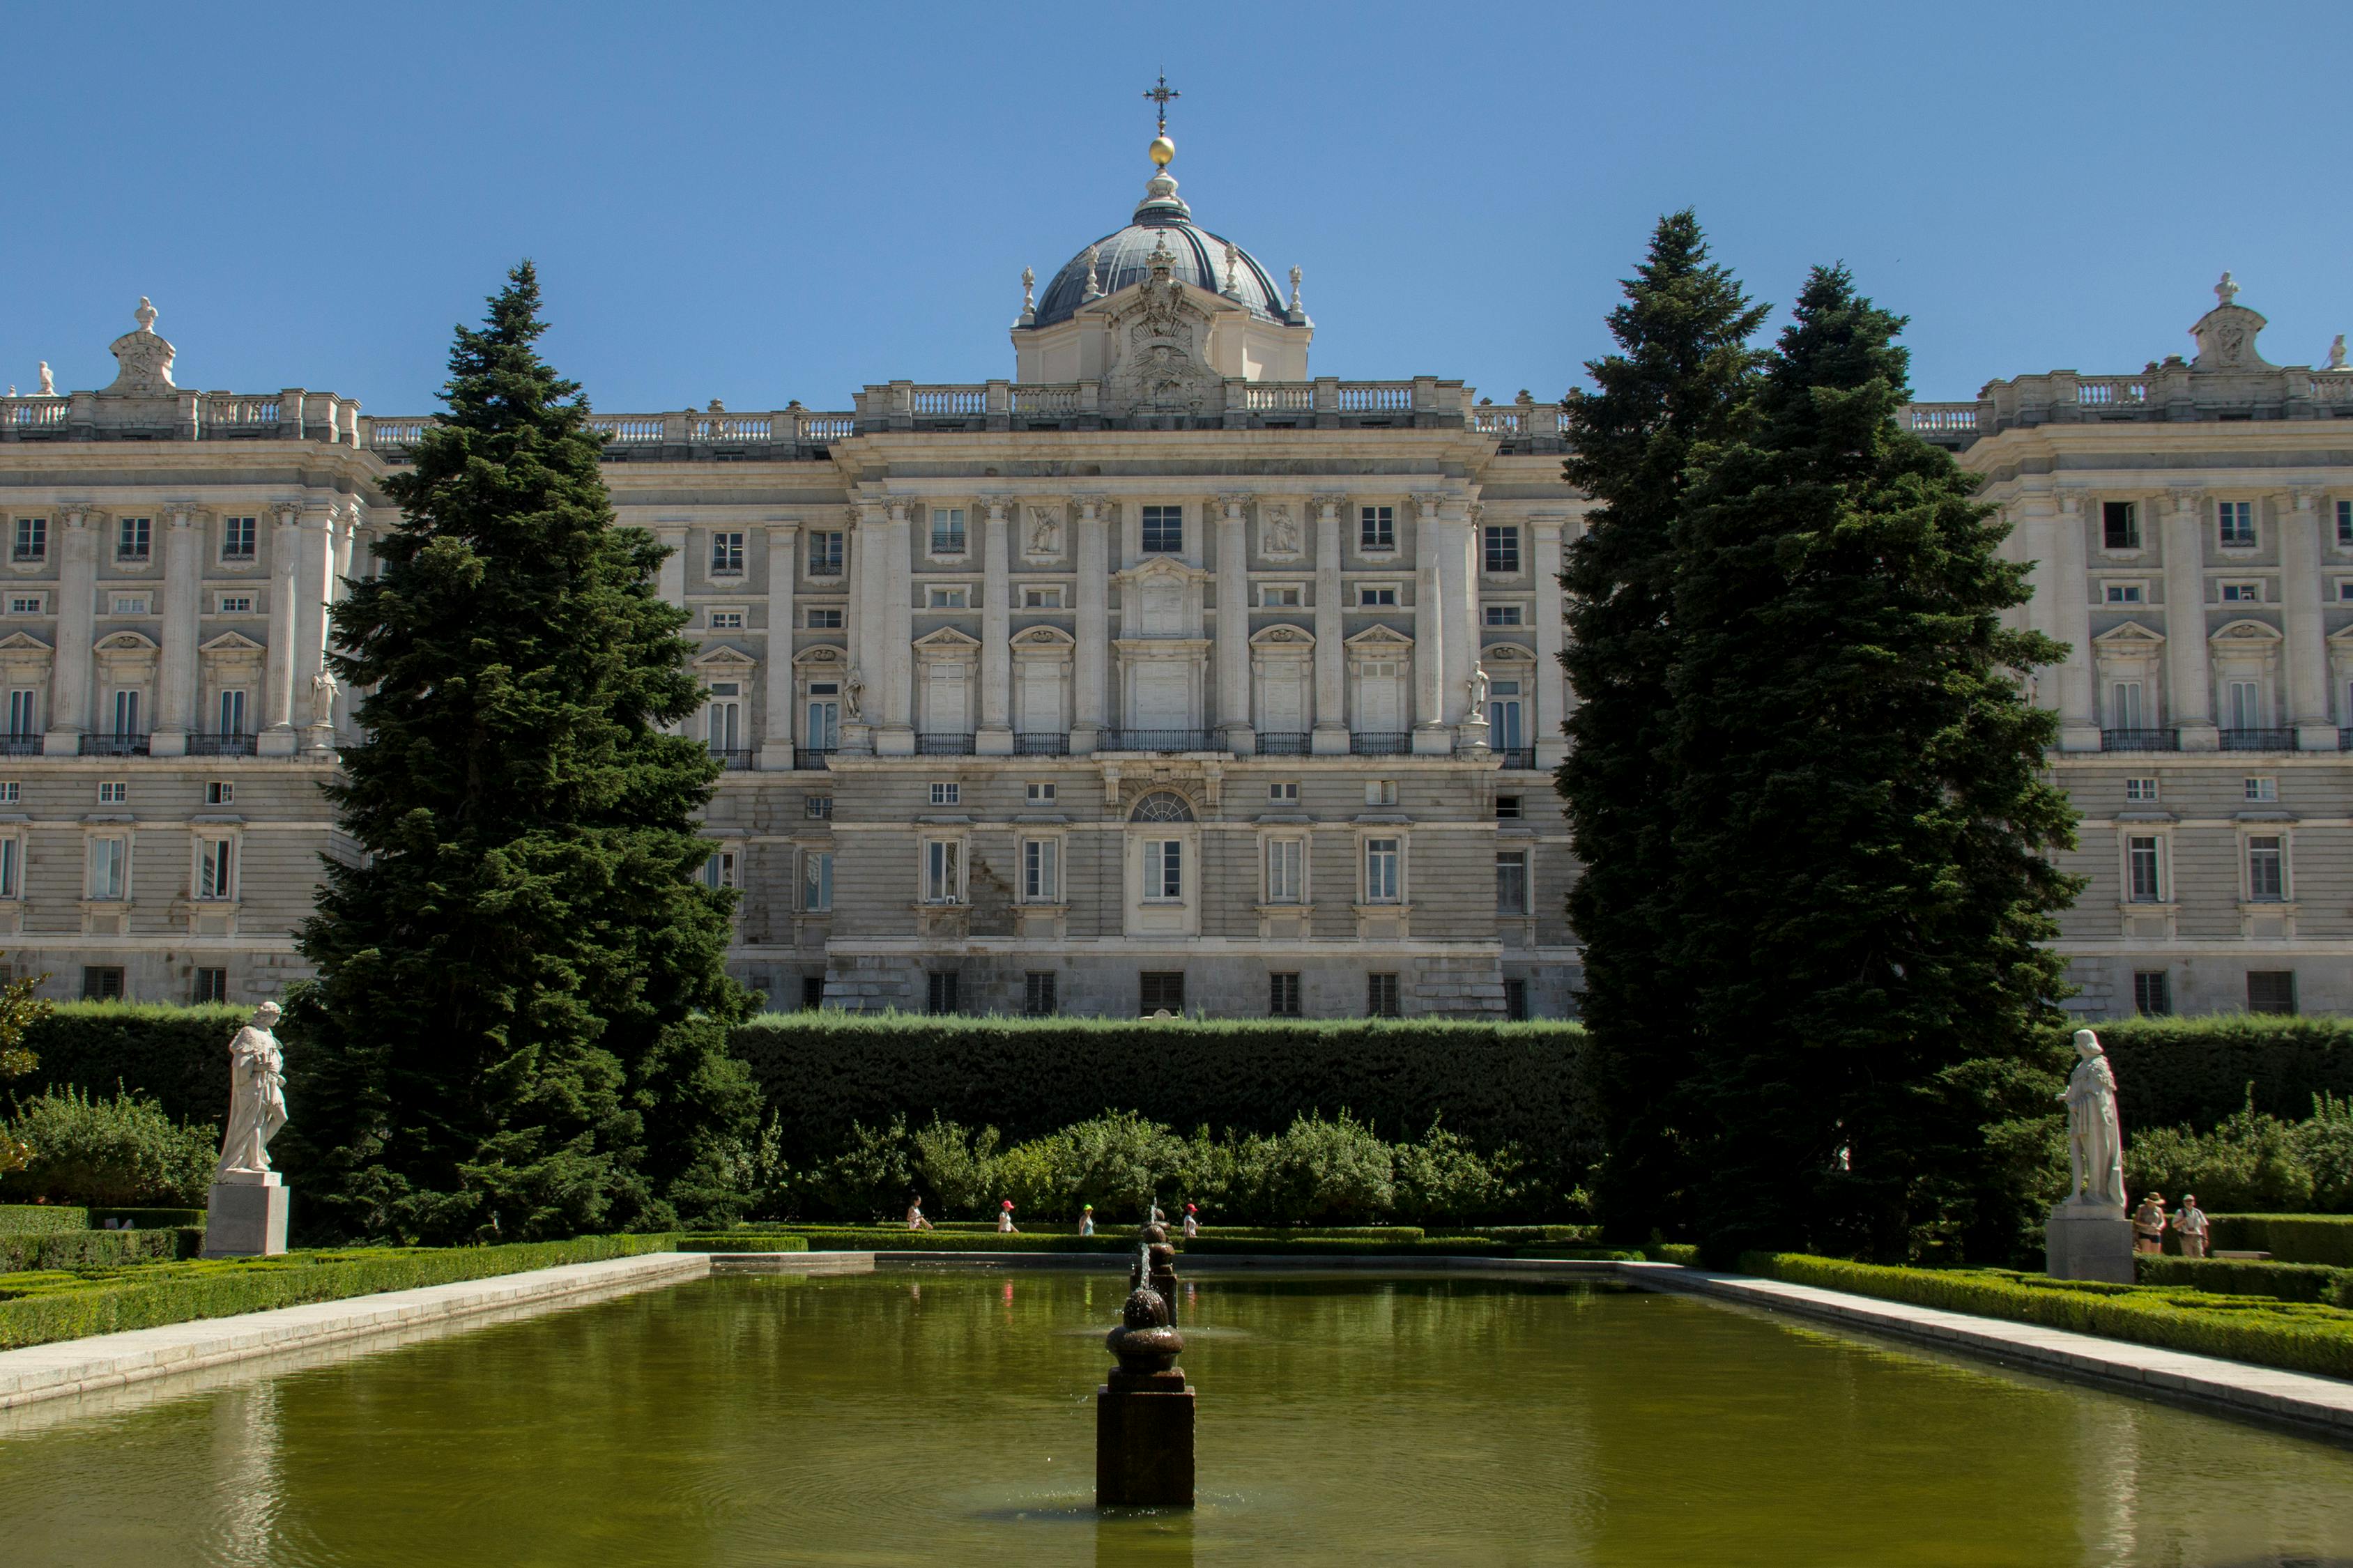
{"points": [[1192, 1222], [2190, 1225], [2149, 1224], [915, 1220], [1087, 1220], [1005, 1218]]}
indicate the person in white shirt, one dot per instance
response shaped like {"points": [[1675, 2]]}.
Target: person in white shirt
{"points": [[915, 1220], [1005, 1218], [1087, 1220], [2190, 1225], [1192, 1222]]}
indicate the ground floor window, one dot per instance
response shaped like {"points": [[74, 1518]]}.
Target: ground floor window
{"points": [[2271, 991], [1516, 1001], [1163, 993], [102, 983], [1038, 998], [2152, 993], [1283, 996], [940, 995], [812, 993], [1381, 995], [212, 986]]}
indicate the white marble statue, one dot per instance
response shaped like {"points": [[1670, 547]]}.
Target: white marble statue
{"points": [[49, 383], [853, 693], [2095, 1141], [1282, 533], [323, 697], [1477, 687], [1045, 532], [257, 1100], [2336, 357]]}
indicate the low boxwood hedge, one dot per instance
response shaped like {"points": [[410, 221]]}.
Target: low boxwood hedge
{"points": [[2235, 1276], [2289, 1237], [40, 1219], [146, 1219], [2261, 1329], [743, 1241], [42, 1307], [87, 1249]]}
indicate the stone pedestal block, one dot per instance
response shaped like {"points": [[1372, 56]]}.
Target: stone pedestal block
{"points": [[2089, 1241], [1143, 1441], [247, 1217]]}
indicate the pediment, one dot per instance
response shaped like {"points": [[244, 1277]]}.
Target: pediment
{"points": [[231, 642], [2342, 638], [1283, 636], [823, 653], [721, 656], [946, 638], [2246, 632], [1045, 636], [1384, 638], [1159, 568], [2129, 632], [23, 642], [126, 642], [1507, 653]]}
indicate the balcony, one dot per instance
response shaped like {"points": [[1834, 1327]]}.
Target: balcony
{"points": [[944, 745], [811, 758], [113, 746], [2162, 740], [1160, 740], [1041, 745], [203, 745], [732, 759], [2259, 740], [1381, 743], [1283, 743], [1521, 757], [20, 745]]}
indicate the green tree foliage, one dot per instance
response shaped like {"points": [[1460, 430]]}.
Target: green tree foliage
{"points": [[20, 1010], [1862, 830], [495, 1044], [83, 1149], [1681, 367]]}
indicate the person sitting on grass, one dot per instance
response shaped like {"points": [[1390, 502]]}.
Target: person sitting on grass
{"points": [[1087, 1219], [915, 1220], [1005, 1218]]}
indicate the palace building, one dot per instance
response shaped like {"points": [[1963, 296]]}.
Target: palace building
{"points": [[1163, 674]]}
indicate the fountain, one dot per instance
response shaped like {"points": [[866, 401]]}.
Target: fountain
{"points": [[1144, 1412]]}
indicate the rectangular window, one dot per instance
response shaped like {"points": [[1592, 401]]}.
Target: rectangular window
{"points": [[1163, 993], [32, 538], [1507, 808], [237, 536], [818, 620], [113, 792], [232, 714], [825, 554], [26, 604], [1041, 871], [1381, 791], [130, 604], [1502, 615], [220, 792], [1371, 598], [102, 983], [1286, 870], [940, 991], [2119, 525], [1381, 857], [947, 531], [1164, 530], [2271, 991], [1516, 1001], [11, 791], [947, 599], [1503, 547], [2140, 790], [1286, 790], [2345, 522], [946, 794], [2244, 704], [2264, 790], [2124, 593], [1284, 596], [2146, 871], [2235, 521], [110, 867], [212, 986], [1041, 598], [727, 555], [1381, 996], [2266, 868], [819, 807], [1376, 527], [943, 871], [2152, 994], [1038, 994], [132, 539], [1040, 794], [816, 883], [216, 868], [726, 620], [1283, 996], [812, 993], [718, 870], [2242, 593], [2124, 705], [24, 713], [1164, 870], [1512, 883], [11, 862], [237, 604]]}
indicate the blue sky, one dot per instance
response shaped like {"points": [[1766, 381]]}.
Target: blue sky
{"points": [[761, 204]]}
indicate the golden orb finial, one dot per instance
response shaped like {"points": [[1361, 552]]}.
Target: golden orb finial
{"points": [[1162, 149]]}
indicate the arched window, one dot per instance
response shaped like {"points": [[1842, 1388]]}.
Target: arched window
{"points": [[1161, 805]]}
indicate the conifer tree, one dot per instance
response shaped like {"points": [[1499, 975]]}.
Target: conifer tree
{"points": [[1863, 826], [499, 1046], [1682, 367]]}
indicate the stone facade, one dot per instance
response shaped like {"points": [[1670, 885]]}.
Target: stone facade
{"points": [[1178, 685]]}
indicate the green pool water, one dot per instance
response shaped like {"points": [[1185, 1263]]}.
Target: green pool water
{"points": [[946, 1417]]}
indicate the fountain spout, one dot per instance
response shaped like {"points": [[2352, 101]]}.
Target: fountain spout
{"points": [[1144, 1411]]}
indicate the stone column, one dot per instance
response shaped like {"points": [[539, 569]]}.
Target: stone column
{"points": [[2308, 646], [896, 737], [1331, 737], [176, 678], [1552, 681], [277, 738], [1091, 626], [2070, 582], [995, 736], [344, 547], [2189, 680], [70, 671], [1430, 733], [776, 666], [314, 585], [864, 630], [1234, 625], [1457, 589]]}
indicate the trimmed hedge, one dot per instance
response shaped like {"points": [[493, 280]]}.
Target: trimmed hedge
{"points": [[39, 1219], [2195, 1071], [2289, 1237], [41, 1308], [87, 1249], [178, 1056], [2268, 1333], [146, 1219], [2237, 1277], [743, 1241]]}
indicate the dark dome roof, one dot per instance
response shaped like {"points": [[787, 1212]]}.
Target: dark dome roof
{"points": [[1123, 258]]}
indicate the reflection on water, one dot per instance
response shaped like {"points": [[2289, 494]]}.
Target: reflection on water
{"points": [[888, 1419]]}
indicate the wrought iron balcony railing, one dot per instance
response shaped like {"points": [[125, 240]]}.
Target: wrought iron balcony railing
{"points": [[113, 746], [811, 758], [1051, 745], [733, 759], [944, 745], [2266, 740], [223, 745], [1381, 743], [20, 745], [1283, 743], [2158, 740], [1160, 740]]}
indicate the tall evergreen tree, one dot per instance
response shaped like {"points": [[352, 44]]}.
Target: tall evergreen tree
{"points": [[1682, 367], [500, 1042], [1862, 880]]}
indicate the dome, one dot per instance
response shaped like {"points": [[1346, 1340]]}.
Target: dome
{"points": [[1123, 258]]}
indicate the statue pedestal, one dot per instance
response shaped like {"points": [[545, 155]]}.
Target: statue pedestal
{"points": [[2085, 1240], [245, 1215], [1143, 1441]]}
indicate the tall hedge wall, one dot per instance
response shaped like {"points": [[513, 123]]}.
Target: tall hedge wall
{"points": [[178, 1055], [2172, 1071]]}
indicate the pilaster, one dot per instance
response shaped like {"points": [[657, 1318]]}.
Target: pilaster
{"points": [[896, 737], [2189, 678], [1330, 736], [776, 666], [1552, 681], [866, 548], [314, 689], [1233, 625], [278, 738], [993, 737], [2079, 726], [176, 681], [77, 630], [1091, 624], [2307, 648], [1430, 735]]}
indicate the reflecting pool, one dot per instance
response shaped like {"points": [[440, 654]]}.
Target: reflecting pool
{"points": [[947, 1417]]}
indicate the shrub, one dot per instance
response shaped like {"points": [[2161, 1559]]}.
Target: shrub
{"points": [[118, 1150], [2236, 1277], [957, 1168], [2324, 1143], [176, 1055], [743, 1241], [2197, 1071], [1318, 1172], [85, 1250], [2250, 1162], [1442, 1180], [20, 1219], [2289, 1237]]}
